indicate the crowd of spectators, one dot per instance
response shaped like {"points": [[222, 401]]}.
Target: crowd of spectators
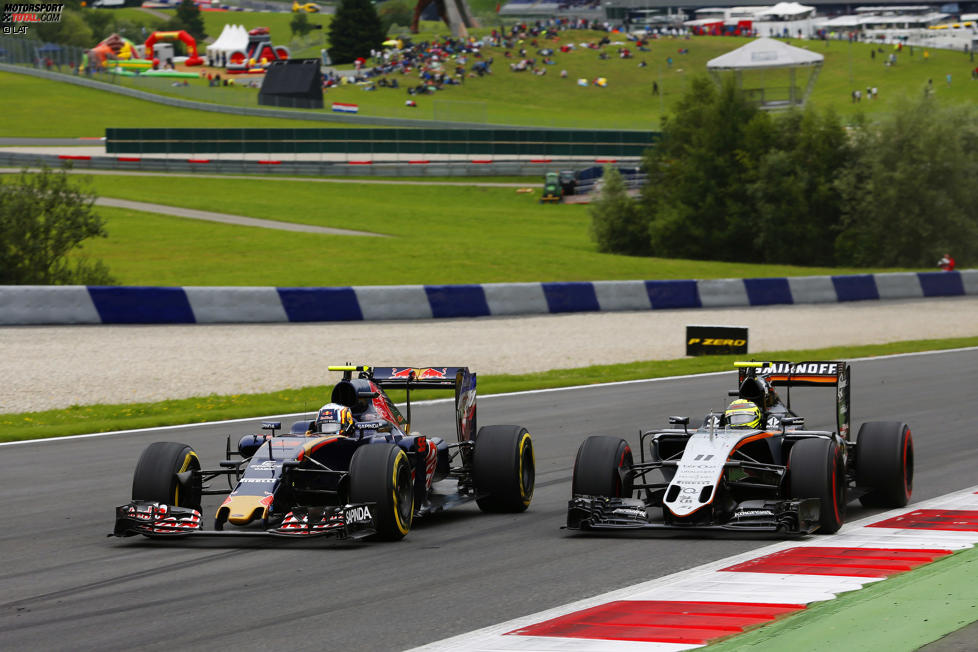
{"points": [[435, 65]]}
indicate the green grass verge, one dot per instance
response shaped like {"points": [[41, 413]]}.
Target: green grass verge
{"points": [[441, 234], [81, 419], [523, 98], [899, 614], [33, 107]]}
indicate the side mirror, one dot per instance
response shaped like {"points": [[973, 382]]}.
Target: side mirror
{"points": [[680, 421]]}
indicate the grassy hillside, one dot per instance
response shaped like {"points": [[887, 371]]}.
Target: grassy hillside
{"points": [[437, 234], [47, 109], [524, 98]]}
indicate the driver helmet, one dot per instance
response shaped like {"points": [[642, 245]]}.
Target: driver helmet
{"points": [[743, 414], [335, 419]]}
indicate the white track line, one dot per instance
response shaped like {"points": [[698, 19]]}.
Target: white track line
{"points": [[486, 397]]}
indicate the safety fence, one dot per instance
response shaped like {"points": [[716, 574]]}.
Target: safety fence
{"points": [[370, 141]]}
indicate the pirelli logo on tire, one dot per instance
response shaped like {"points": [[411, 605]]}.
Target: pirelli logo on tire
{"points": [[716, 340]]}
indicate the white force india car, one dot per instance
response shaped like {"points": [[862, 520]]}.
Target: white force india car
{"points": [[751, 468]]}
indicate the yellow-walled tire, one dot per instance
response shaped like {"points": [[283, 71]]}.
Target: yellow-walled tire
{"points": [[503, 468], [381, 474], [155, 478]]}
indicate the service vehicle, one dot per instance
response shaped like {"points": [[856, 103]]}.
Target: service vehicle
{"points": [[752, 468], [371, 476], [552, 190]]}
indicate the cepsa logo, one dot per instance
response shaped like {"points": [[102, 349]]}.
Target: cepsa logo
{"points": [[25, 12]]}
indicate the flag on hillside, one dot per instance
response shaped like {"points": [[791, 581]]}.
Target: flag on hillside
{"points": [[340, 107]]}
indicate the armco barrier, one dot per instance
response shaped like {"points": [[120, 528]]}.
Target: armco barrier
{"points": [[24, 305]]}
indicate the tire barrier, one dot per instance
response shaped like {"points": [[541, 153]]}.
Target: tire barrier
{"points": [[26, 304]]}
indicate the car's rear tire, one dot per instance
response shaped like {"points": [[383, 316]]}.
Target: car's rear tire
{"points": [[601, 468], [381, 474], [503, 468], [884, 463], [817, 470], [155, 478]]}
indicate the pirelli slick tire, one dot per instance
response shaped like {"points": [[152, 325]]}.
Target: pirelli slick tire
{"points": [[601, 468], [884, 463], [817, 470], [503, 468], [381, 474], [156, 476]]}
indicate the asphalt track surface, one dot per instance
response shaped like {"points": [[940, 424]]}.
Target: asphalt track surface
{"points": [[67, 586]]}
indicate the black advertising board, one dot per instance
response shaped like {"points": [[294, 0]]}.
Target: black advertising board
{"points": [[716, 340]]}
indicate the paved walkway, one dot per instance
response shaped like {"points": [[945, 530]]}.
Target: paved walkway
{"points": [[238, 220], [531, 182]]}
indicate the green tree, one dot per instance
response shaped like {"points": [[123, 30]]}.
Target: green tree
{"points": [[794, 194], [300, 24], [188, 19], [354, 31], [72, 30], [101, 22], [617, 224], [395, 12], [698, 196], [44, 218], [909, 193]]}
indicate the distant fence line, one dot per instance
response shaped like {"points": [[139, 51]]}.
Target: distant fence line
{"points": [[422, 142]]}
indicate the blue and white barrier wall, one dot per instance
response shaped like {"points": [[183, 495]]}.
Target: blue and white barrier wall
{"points": [[31, 304]]}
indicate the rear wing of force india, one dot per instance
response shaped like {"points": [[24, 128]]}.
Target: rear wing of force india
{"points": [[812, 373], [459, 379]]}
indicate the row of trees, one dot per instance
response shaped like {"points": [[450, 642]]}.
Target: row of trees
{"points": [[85, 28], [731, 182]]}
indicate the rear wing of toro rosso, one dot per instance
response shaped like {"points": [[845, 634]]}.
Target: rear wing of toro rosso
{"points": [[459, 379], [812, 373]]}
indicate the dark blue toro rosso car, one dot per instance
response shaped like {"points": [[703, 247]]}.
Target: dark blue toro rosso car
{"points": [[357, 470]]}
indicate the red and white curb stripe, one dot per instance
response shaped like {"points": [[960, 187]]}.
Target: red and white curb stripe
{"points": [[692, 608]]}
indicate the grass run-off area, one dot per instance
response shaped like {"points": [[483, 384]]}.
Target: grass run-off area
{"points": [[82, 419], [436, 235], [40, 108], [507, 97]]}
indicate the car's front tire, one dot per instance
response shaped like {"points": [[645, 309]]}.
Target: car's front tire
{"points": [[381, 474], [155, 478], [817, 470], [602, 467]]}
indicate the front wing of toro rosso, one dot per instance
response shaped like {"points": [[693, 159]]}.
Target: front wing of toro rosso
{"points": [[690, 498], [159, 520]]}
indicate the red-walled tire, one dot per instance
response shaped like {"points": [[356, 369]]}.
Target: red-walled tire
{"points": [[817, 470], [884, 463]]}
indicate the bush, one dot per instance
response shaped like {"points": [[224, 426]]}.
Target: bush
{"points": [[617, 224], [43, 218]]}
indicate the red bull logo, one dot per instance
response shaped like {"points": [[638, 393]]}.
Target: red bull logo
{"points": [[419, 374]]}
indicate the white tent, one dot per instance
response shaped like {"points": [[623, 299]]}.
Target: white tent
{"points": [[788, 10], [765, 54], [232, 38]]}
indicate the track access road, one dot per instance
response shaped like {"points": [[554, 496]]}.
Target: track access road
{"points": [[67, 586]]}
